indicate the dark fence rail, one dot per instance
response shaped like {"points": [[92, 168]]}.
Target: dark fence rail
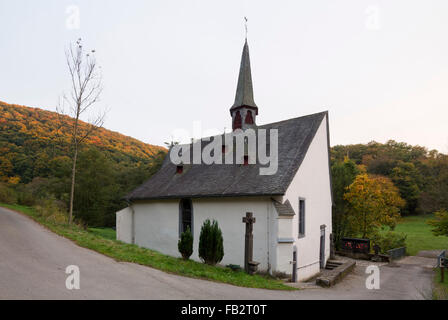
{"points": [[355, 245], [396, 253]]}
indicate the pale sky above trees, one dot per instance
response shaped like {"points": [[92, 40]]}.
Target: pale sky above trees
{"points": [[379, 67]]}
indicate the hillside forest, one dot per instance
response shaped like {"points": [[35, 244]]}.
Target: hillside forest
{"points": [[35, 165], [375, 184], [35, 168]]}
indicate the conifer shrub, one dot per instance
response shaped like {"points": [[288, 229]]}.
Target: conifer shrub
{"points": [[185, 244], [440, 223], [211, 248]]}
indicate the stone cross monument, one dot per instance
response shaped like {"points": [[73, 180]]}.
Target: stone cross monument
{"points": [[249, 220]]}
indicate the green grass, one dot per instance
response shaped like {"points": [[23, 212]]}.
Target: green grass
{"points": [[419, 235], [102, 241], [107, 233], [440, 291]]}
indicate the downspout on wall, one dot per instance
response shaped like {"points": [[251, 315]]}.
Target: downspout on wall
{"points": [[132, 221], [269, 237]]}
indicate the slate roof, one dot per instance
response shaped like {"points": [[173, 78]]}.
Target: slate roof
{"points": [[236, 180], [284, 209]]}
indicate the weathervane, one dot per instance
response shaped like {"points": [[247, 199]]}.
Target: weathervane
{"points": [[245, 25]]}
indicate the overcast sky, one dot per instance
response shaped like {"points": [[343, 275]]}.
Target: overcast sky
{"points": [[379, 67]]}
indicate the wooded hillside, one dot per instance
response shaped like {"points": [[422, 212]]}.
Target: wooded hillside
{"points": [[31, 137], [35, 168], [35, 163], [421, 175]]}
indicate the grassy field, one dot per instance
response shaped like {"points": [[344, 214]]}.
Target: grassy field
{"points": [[440, 291], [107, 233], [419, 235], [103, 241]]}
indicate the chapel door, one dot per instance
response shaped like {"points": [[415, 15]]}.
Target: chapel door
{"points": [[322, 247]]}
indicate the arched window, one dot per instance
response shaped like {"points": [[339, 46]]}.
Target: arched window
{"points": [[237, 121], [249, 119], [185, 216]]}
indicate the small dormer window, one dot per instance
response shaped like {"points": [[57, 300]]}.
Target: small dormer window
{"points": [[179, 169]]}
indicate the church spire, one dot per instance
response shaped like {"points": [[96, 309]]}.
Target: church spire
{"points": [[244, 108], [244, 91]]}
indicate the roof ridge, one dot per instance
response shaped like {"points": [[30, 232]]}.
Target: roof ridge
{"points": [[263, 125], [296, 118], [292, 164]]}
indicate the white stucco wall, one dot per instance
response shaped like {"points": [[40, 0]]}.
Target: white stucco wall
{"points": [[156, 223], [124, 225], [157, 226], [284, 246], [229, 214], [284, 228], [312, 182]]}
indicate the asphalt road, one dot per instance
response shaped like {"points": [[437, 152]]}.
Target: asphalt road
{"points": [[33, 262]]}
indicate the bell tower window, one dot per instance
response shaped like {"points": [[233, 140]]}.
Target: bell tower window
{"points": [[237, 122], [249, 119]]}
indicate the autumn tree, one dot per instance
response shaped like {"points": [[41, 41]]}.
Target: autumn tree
{"points": [[95, 187], [374, 202], [5, 167], [85, 91], [434, 195], [408, 180], [343, 174]]}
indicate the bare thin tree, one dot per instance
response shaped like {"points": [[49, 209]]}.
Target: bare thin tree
{"points": [[85, 91]]}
